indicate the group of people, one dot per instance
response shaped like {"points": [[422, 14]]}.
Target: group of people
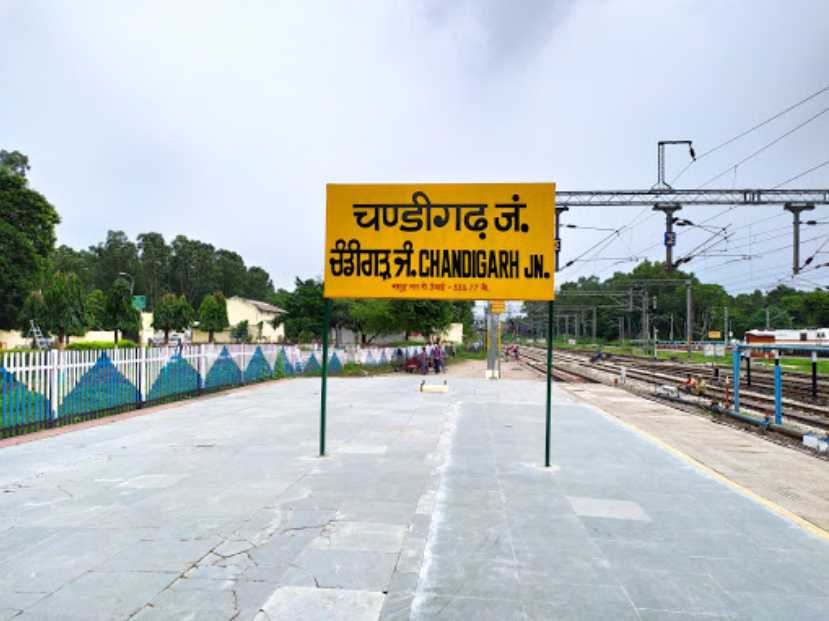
{"points": [[432, 358]]}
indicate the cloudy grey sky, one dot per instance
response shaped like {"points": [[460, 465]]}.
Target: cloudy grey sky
{"points": [[224, 120]]}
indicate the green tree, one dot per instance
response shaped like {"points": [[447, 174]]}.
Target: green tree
{"points": [[64, 301], [186, 313], [95, 309], [372, 318], [241, 332], [172, 313], [305, 308], [114, 256], [230, 272], [462, 312], [192, 268], [27, 237], [34, 309], [424, 317], [779, 319], [213, 314], [120, 316], [79, 262], [14, 162], [258, 284], [154, 262]]}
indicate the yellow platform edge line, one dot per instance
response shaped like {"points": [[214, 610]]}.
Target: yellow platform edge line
{"points": [[769, 504]]}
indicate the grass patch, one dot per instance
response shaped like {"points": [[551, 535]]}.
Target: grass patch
{"points": [[352, 369], [461, 355], [803, 365]]}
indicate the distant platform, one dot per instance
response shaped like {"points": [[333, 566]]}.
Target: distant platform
{"points": [[429, 506]]}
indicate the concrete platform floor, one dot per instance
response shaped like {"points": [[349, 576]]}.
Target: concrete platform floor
{"points": [[430, 506]]}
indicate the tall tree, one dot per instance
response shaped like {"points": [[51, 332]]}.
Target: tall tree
{"points": [[172, 313], [192, 268], [305, 308], [79, 262], [462, 312], [95, 309], [372, 318], [425, 317], [64, 301], [230, 272], [27, 237], [14, 162], [154, 259], [120, 314], [115, 256], [213, 314], [258, 284]]}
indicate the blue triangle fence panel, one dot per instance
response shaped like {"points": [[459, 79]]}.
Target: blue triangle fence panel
{"points": [[223, 372], [258, 367], [102, 387], [312, 366], [176, 377], [335, 367], [23, 387]]}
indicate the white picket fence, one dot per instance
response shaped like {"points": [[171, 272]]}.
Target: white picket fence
{"points": [[42, 387]]}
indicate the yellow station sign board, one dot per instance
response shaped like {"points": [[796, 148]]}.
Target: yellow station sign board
{"points": [[475, 241], [497, 307]]}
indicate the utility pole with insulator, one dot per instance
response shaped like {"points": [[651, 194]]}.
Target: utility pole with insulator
{"points": [[689, 317]]}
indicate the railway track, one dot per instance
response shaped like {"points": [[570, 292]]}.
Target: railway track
{"points": [[753, 398], [796, 386], [539, 363]]}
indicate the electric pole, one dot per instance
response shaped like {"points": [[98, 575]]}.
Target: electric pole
{"points": [[594, 325], [796, 210], [645, 327], [725, 326], [559, 211], [689, 317]]}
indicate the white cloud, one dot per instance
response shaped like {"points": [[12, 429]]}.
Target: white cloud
{"points": [[223, 121]]}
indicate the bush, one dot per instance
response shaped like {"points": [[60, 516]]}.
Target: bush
{"points": [[89, 345]]}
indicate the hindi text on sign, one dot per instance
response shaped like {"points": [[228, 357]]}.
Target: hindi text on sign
{"points": [[383, 240]]}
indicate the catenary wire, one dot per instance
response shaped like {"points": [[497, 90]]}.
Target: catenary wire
{"points": [[751, 129]]}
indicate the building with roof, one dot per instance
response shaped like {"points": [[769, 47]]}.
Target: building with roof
{"points": [[264, 322]]}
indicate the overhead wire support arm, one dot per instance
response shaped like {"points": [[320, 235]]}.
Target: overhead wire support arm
{"points": [[737, 198]]}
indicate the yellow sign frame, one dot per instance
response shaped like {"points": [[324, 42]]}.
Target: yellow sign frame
{"points": [[480, 241]]}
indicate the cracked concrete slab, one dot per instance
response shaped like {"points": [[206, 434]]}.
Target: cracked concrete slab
{"points": [[361, 536], [311, 604], [220, 509], [100, 595], [342, 569]]}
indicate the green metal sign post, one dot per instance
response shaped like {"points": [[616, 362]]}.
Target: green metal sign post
{"points": [[549, 382], [326, 321]]}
